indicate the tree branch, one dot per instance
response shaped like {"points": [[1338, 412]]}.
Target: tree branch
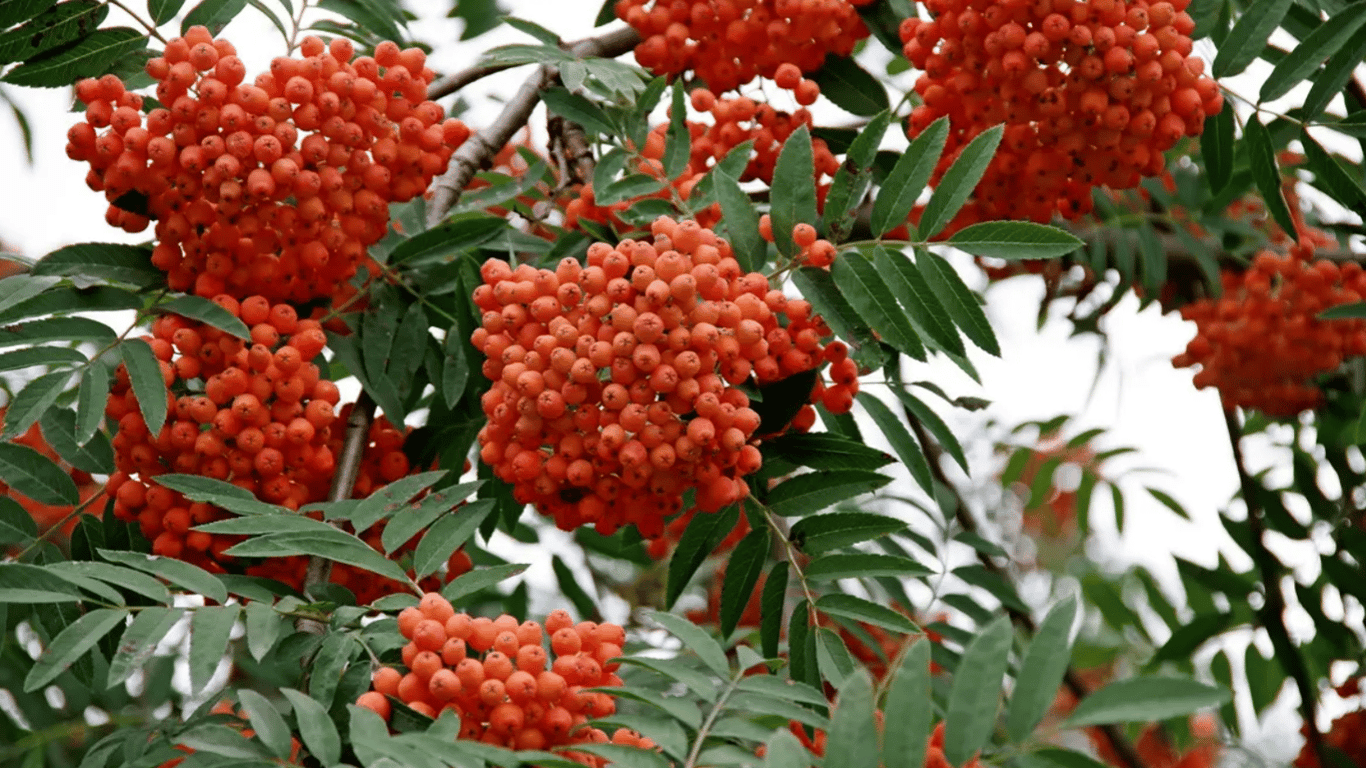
{"points": [[1121, 744], [1273, 610], [480, 148]]}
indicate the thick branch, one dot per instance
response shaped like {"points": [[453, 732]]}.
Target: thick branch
{"points": [[1273, 610], [343, 483], [480, 148], [1125, 749]]}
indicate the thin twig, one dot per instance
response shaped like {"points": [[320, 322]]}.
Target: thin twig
{"points": [[150, 27], [1123, 748], [343, 483], [1273, 609], [705, 729], [480, 148]]}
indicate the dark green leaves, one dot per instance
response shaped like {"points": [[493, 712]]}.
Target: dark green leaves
{"points": [[1335, 74], [960, 302], [144, 370], [743, 567], [1145, 699], [909, 710], [90, 56], [698, 540], [850, 87], [860, 609], [1216, 146], [1264, 171], [814, 491], [863, 565], [1042, 670], [902, 442], [447, 240], [1326, 40], [958, 182], [316, 728], [1248, 37], [205, 311], [976, 688], [210, 629], [1329, 175], [72, 643], [822, 533], [742, 221], [908, 178], [794, 189], [128, 264], [35, 476], [1015, 240], [33, 401], [215, 14], [853, 731], [191, 577], [55, 27], [696, 640], [870, 297]]}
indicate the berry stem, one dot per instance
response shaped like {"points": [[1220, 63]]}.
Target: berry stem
{"points": [[79, 508], [151, 28], [482, 146], [715, 712], [1273, 608]]}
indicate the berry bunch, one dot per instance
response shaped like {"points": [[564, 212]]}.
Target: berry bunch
{"points": [[734, 121], [47, 515], [1261, 344], [275, 187], [730, 42], [1092, 93], [496, 675], [616, 385]]}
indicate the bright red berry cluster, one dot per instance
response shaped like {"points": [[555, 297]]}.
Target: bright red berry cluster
{"points": [[1092, 93], [1261, 344], [734, 121], [616, 385], [274, 187], [730, 42], [496, 675]]}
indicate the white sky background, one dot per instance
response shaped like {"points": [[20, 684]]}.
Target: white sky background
{"points": [[1140, 398]]}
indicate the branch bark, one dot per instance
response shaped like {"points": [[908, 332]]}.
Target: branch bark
{"points": [[1273, 610], [479, 149]]}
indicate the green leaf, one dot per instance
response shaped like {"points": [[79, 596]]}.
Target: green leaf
{"points": [[16, 524], [801, 643], [851, 87], [908, 178], [93, 395], [771, 608], [72, 643], [448, 535], [853, 732], [1329, 175], [569, 585], [863, 565], [34, 475], [578, 109], [17, 289], [163, 11], [1216, 147], [208, 312], [1354, 311], [818, 287], [1015, 240], [22, 583], [90, 56], [793, 196], [16, 11], [1331, 81], [338, 547], [144, 370], [64, 329], [743, 567], [1170, 503], [822, 450], [976, 688], [215, 14], [478, 579], [860, 609], [33, 401], [270, 727], [695, 639], [784, 751], [316, 728], [140, 641], [742, 221], [625, 756], [960, 302], [1265, 172], [958, 182], [59, 429], [226, 495], [870, 296], [1145, 699], [1326, 40], [446, 241], [835, 530], [909, 709], [191, 577], [55, 27], [813, 491], [1248, 37], [918, 300], [905, 445], [677, 140], [1042, 670], [701, 536], [263, 629], [34, 356], [210, 628]]}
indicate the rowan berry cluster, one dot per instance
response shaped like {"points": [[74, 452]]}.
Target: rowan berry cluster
{"points": [[730, 42], [734, 122], [1092, 93], [1261, 344], [496, 675], [617, 385], [274, 187], [47, 515]]}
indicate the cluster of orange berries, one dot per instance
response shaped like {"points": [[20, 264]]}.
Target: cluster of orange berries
{"points": [[1261, 344], [616, 386], [1091, 92], [48, 515], [496, 675], [734, 121], [274, 187], [728, 43]]}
